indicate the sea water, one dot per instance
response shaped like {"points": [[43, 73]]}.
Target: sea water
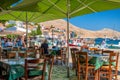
{"points": [[109, 42]]}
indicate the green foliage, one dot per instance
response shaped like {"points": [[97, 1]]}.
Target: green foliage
{"points": [[75, 34], [3, 21], [10, 25], [33, 33], [12, 36], [39, 30]]}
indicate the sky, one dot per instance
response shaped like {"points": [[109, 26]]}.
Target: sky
{"points": [[97, 21]]}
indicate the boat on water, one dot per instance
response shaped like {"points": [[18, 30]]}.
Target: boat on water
{"points": [[109, 43], [116, 45]]}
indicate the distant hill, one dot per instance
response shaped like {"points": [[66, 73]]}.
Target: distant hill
{"points": [[60, 23], [108, 32]]}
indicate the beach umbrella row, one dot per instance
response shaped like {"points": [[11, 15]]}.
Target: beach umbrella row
{"points": [[44, 10]]}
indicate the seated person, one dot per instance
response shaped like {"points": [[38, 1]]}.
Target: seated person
{"points": [[2, 42], [56, 49], [84, 47], [8, 43], [45, 47]]}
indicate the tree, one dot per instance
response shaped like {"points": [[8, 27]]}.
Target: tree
{"points": [[39, 30], [10, 25], [75, 34], [33, 33], [3, 22]]}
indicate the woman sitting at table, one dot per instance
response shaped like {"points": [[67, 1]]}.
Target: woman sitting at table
{"points": [[8, 43], [2, 42], [45, 47], [20, 42]]}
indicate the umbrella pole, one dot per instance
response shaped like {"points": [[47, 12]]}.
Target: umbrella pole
{"points": [[26, 31], [68, 68]]}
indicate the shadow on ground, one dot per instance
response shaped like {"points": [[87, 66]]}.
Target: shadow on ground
{"points": [[60, 73]]}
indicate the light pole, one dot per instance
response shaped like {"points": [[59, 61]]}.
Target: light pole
{"points": [[52, 33]]}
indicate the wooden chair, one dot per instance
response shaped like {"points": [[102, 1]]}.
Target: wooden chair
{"points": [[84, 47], [110, 71], [62, 55], [5, 51], [22, 54], [43, 55], [11, 55], [51, 67], [96, 50], [93, 49], [106, 52], [85, 70], [41, 52], [49, 58], [0, 52], [15, 48], [74, 58], [37, 51], [31, 47], [31, 52], [35, 65], [9, 46]]}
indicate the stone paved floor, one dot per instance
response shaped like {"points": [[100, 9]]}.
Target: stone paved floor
{"points": [[60, 73]]}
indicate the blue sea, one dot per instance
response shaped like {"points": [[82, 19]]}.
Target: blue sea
{"points": [[110, 42]]}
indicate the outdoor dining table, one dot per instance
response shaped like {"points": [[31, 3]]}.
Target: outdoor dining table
{"points": [[98, 60], [20, 50], [54, 51], [13, 69]]}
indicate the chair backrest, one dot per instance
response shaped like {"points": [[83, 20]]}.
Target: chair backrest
{"points": [[107, 52], [82, 58], [0, 52], [11, 55], [110, 70], [22, 54], [113, 60], [35, 64], [84, 47], [41, 52], [82, 61], [93, 49], [96, 50], [62, 54], [74, 57], [63, 50], [15, 48], [30, 52], [31, 47]]}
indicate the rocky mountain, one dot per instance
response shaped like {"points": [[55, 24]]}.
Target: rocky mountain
{"points": [[62, 24]]}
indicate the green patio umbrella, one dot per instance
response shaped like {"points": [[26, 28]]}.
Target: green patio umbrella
{"points": [[4, 4], [55, 9], [43, 10]]}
